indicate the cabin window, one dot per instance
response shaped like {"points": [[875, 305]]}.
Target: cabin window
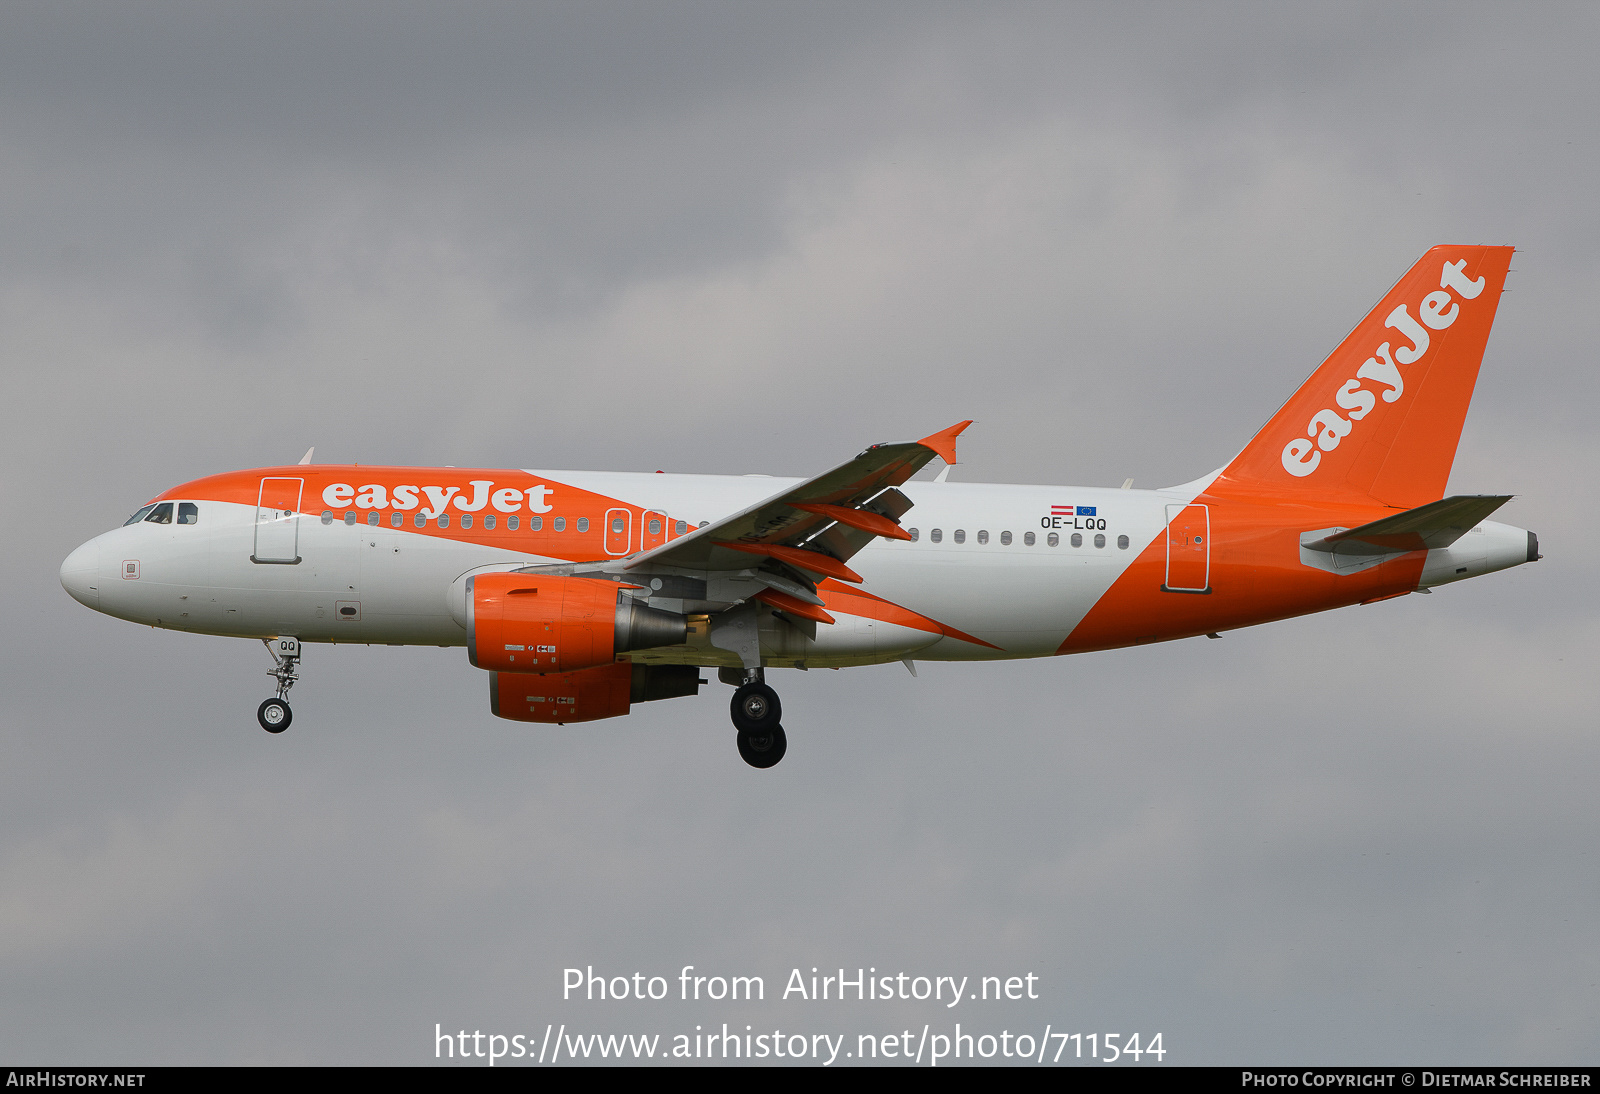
{"points": [[683, 527], [1099, 541], [961, 535], [350, 516], [1077, 540], [488, 521], [1122, 542], [1053, 540], [915, 535], [1027, 539], [560, 524], [422, 521], [535, 523], [1005, 539], [654, 526], [188, 513], [511, 523], [466, 520], [936, 535], [162, 514], [983, 535], [137, 517], [583, 524], [327, 516], [616, 524], [444, 520], [372, 520], [395, 520]]}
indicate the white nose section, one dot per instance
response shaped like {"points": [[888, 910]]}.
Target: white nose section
{"points": [[80, 574]]}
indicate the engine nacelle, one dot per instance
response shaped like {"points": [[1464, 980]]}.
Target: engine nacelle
{"points": [[584, 696], [545, 624]]}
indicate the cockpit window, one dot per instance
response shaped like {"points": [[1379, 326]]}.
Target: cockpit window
{"points": [[188, 513], [140, 515], [162, 514]]}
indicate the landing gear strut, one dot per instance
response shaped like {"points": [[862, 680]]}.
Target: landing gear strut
{"points": [[756, 712], [274, 714]]}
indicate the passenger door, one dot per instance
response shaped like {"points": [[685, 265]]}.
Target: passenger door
{"points": [[278, 521]]}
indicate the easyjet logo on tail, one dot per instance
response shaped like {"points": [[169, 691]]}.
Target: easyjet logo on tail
{"points": [[1328, 427]]}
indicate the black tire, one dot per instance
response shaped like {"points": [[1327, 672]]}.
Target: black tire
{"points": [[274, 715], [763, 749], [755, 709]]}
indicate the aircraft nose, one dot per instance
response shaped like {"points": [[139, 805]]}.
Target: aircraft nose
{"points": [[80, 574]]}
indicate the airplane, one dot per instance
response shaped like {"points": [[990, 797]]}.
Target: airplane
{"points": [[581, 593]]}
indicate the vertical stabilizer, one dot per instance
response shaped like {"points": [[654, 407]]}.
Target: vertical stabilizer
{"points": [[1381, 417]]}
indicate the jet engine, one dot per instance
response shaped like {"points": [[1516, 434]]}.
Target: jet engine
{"points": [[589, 694], [545, 624]]}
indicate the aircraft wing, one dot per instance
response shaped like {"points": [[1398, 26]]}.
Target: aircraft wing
{"points": [[818, 525]]}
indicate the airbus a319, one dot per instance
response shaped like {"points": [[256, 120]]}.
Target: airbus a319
{"points": [[581, 593]]}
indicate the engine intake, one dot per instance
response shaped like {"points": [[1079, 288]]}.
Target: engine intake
{"points": [[546, 624]]}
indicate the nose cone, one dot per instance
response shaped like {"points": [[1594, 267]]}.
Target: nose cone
{"points": [[80, 574]]}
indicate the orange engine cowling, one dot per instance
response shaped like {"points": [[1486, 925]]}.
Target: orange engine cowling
{"points": [[547, 624], [584, 696]]}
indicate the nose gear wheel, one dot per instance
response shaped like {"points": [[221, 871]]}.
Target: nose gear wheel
{"points": [[274, 715]]}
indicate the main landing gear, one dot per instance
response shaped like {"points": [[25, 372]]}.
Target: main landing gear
{"points": [[274, 714], [756, 712]]}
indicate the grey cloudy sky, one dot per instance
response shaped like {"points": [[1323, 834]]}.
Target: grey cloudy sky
{"points": [[755, 238]]}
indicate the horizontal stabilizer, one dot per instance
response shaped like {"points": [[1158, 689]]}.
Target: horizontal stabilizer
{"points": [[1425, 528]]}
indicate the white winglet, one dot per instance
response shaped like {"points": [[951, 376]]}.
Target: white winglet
{"points": [[307, 457]]}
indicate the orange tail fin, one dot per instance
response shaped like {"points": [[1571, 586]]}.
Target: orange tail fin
{"points": [[1381, 417]]}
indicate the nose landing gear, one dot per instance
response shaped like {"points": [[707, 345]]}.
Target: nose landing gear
{"points": [[274, 714], [756, 711]]}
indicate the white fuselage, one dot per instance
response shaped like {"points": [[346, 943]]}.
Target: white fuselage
{"points": [[989, 560]]}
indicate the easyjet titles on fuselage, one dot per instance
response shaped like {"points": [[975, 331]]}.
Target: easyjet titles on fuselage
{"points": [[404, 498]]}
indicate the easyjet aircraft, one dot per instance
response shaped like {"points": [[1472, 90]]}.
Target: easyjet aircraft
{"points": [[580, 593]]}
